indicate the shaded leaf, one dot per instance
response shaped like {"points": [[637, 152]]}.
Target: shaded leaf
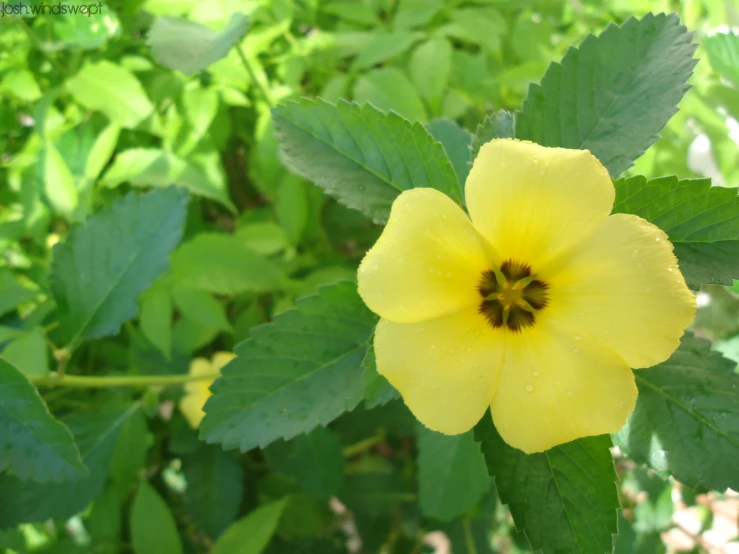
{"points": [[251, 534], [153, 528]]}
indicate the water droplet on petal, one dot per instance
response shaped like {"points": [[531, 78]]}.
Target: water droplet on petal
{"points": [[578, 337], [569, 393], [529, 388], [535, 373], [636, 251]]}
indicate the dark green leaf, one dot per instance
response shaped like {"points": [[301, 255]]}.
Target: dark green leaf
{"points": [[361, 155], [215, 481], [96, 434], [129, 456], [153, 528], [614, 93], [251, 534], [452, 475], [564, 499], [686, 420], [376, 494], [98, 272], [723, 52], [315, 460], [32, 443], [301, 371], [495, 125], [702, 222], [189, 46], [456, 142]]}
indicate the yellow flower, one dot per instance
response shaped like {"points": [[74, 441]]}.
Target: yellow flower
{"points": [[536, 305], [197, 392]]}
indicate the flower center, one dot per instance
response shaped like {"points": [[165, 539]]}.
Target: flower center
{"points": [[511, 296]]}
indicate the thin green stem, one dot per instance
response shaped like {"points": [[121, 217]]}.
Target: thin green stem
{"points": [[468, 538], [262, 91], [362, 446], [108, 381]]}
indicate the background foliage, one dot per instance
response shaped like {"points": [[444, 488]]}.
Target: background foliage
{"points": [[96, 110]]}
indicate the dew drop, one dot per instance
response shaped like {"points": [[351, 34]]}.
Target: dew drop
{"points": [[636, 251], [669, 269], [451, 350], [559, 383], [529, 388], [657, 239], [535, 373], [569, 392], [578, 337]]}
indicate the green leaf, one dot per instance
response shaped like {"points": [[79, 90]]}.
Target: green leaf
{"points": [[456, 142], [129, 456], [293, 210], [388, 89], [723, 52], [415, 13], [12, 293], [376, 494], [383, 47], [222, 264], [101, 151], [430, 66], [98, 272], [155, 318], [113, 90], [378, 390], [702, 222], [28, 352], [189, 46], [251, 534], [614, 93], [452, 476], [215, 484], [564, 499], [59, 186], [496, 125], [301, 371], [32, 443], [201, 307], [315, 460], [686, 420], [96, 434], [360, 155], [153, 528]]}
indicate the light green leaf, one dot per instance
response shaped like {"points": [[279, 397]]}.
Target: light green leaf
{"points": [[20, 83], [383, 47], [301, 371], [415, 13], [32, 443], [251, 534], [153, 529], [378, 390], [452, 476], [263, 238], [98, 272], [482, 26], [360, 155], [388, 89], [222, 264], [315, 460], [430, 65], [189, 46], [113, 90], [155, 318], [201, 106], [59, 186], [564, 499], [101, 151], [12, 293], [702, 222], [686, 420], [723, 52], [28, 352], [96, 434], [614, 93], [456, 142], [292, 207], [201, 307], [215, 483], [495, 125], [357, 12]]}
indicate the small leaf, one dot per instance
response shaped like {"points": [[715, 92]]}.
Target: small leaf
{"points": [[215, 484], [251, 534], [28, 352], [153, 529], [201, 307], [723, 52], [59, 186], [360, 155], [456, 142], [155, 318], [452, 476], [389, 90], [301, 371], [495, 125], [614, 93], [430, 65], [702, 222], [32, 443], [384, 46], [113, 90], [686, 420], [189, 46], [101, 151], [315, 460], [222, 264], [564, 499], [98, 272]]}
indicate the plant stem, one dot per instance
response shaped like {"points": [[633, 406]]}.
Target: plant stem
{"points": [[468, 539], [362, 446], [262, 91], [103, 381]]}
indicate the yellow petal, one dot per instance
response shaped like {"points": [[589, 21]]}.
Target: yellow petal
{"points": [[623, 285], [446, 369], [555, 388], [191, 406], [220, 359], [427, 263], [532, 202]]}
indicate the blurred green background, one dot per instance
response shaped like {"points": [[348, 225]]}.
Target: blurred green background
{"points": [[88, 113]]}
